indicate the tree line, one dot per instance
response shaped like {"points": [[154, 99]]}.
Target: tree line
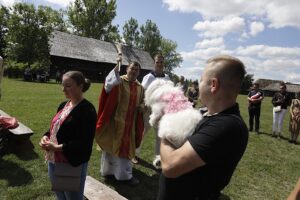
{"points": [[25, 31]]}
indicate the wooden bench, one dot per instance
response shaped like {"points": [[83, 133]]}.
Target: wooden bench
{"points": [[14, 140], [21, 130], [95, 190]]}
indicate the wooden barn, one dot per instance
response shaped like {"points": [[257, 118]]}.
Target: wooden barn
{"points": [[274, 87], [95, 58]]}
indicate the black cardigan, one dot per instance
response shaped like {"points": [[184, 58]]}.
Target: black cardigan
{"points": [[77, 132]]}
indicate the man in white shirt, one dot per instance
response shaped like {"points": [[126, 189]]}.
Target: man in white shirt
{"points": [[158, 72]]}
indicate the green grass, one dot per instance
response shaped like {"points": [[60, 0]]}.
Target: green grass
{"points": [[268, 170]]}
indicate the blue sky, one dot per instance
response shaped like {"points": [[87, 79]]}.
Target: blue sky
{"points": [[264, 34]]}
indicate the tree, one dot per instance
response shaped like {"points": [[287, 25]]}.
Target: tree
{"points": [[172, 58], [29, 32], [93, 18], [4, 17], [131, 32], [51, 19], [23, 29], [247, 83], [150, 39]]}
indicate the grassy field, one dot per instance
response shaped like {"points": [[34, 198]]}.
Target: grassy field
{"points": [[268, 171]]}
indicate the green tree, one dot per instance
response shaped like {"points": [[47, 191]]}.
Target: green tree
{"points": [[150, 39], [4, 17], [23, 31], [172, 58], [29, 32], [247, 83], [51, 19], [93, 18], [131, 32]]}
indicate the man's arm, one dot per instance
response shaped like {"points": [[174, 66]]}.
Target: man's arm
{"points": [[112, 79], [176, 162], [295, 194]]}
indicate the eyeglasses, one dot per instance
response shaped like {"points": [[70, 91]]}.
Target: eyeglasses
{"points": [[159, 62]]}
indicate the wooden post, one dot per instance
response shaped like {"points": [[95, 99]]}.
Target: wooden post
{"points": [[119, 50]]}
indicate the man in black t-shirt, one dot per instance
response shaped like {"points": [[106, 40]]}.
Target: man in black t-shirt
{"points": [[255, 97], [203, 166]]}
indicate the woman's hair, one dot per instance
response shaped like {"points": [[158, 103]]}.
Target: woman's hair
{"points": [[195, 83], [282, 84], [79, 78]]}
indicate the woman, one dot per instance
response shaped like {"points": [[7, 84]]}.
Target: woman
{"points": [[281, 100], [295, 119], [193, 93], [120, 124], [70, 137]]}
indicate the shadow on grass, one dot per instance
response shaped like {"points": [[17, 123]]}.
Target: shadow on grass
{"points": [[14, 174], [147, 165], [224, 197], [47, 82], [23, 149], [276, 137], [146, 189]]}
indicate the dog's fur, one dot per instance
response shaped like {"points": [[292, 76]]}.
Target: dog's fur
{"points": [[175, 125]]}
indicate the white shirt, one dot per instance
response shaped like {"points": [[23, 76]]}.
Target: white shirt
{"points": [[149, 78]]}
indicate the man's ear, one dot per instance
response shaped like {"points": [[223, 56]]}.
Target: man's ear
{"points": [[214, 85]]}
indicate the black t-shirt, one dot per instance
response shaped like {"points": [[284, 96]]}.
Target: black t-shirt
{"points": [[255, 95], [220, 140]]}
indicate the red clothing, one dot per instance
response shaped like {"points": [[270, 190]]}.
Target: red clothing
{"points": [[119, 127]]}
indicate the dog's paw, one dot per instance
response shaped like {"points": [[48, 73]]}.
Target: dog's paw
{"points": [[156, 162]]}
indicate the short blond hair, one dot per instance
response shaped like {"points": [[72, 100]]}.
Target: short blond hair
{"points": [[230, 70]]}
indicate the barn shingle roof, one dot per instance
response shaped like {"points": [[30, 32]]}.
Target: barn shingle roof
{"points": [[295, 88], [89, 49]]}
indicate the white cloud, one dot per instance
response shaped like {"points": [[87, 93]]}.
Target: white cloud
{"points": [[256, 27], [62, 3], [283, 65], [222, 27], [292, 77], [206, 43], [269, 52], [283, 13], [8, 2], [277, 12], [271, 62], [217, 8]]}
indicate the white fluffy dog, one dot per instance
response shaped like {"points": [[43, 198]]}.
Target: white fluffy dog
{"points": [[171, 111]]}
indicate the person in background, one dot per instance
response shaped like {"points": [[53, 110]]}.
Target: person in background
{"points": [[120, 125], [181, 84], [193, 93], [295, 119], [255, 97], [157, 73], [71, 134], [204, 165], [281, 100]]}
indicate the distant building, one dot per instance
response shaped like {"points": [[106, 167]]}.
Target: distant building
{"points": [[95, 58], [265, 82], [274, 87]]}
